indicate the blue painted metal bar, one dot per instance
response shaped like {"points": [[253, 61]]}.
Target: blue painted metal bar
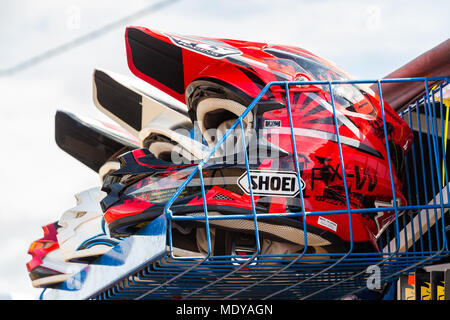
{"points": [[413, 152]]}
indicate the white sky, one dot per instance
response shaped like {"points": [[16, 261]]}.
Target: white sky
{"points": [[369, 39]]}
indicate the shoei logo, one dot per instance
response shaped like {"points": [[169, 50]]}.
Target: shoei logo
{"points": [[211, 48], [271, 183]]}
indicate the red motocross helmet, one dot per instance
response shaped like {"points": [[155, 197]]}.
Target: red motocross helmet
{"points": [[219, 78], [40, 248], [41, 270]]}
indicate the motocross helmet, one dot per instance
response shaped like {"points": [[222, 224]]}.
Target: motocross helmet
{"points": [[219, 78], [90, 141], [131, 102], [82, 233], [47, 268], [144, 184]]}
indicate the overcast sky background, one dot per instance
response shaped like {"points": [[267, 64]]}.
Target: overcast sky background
{"points": [[369, 39]]}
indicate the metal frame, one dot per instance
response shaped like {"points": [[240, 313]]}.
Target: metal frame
{"points": [[416, 238]]}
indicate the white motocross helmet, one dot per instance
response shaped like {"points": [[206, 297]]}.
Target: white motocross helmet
{"points": [[83, 235], [57, 270], [47, 267]]}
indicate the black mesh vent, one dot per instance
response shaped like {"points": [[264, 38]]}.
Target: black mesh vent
{"points": [[221, 197]]}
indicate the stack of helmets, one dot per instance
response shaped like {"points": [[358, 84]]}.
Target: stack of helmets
{"points": [[218, 79], [314, 150]]}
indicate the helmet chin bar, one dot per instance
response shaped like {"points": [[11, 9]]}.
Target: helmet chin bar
{"points": [[237, 243], [209, 111]]}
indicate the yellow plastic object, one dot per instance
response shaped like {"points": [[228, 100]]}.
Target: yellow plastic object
{"points": [[446, 103]]}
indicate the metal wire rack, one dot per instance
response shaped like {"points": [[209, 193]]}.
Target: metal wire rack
{"points": [[417, 236]]}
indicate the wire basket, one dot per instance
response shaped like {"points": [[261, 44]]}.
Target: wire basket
{"points": [[415, 238], [151, 268]]}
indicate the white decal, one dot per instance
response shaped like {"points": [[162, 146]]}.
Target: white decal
{"points": [[327, 223], [211, 48]]}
